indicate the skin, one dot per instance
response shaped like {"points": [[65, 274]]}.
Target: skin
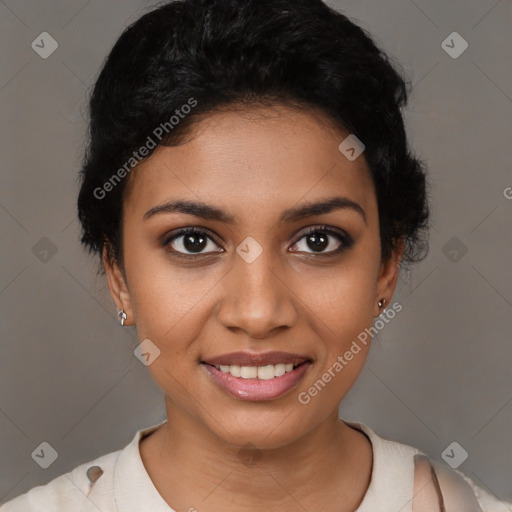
{"points": [[253, 164]]}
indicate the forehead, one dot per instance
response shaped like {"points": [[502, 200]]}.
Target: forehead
{"points": [[246, 160]]}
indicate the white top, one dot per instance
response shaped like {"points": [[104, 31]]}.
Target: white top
{"points": [[123, 484]]}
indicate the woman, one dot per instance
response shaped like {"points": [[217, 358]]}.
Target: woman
{"points": [[249, 187]]}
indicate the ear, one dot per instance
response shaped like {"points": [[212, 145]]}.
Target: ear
{"points": [[388, 277], [118, 287]]}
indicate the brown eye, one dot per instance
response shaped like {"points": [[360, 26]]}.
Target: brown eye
{"points": [[323, 240], [191, 241]]}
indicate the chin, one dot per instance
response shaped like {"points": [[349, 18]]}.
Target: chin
{"points": [[264, 431]]}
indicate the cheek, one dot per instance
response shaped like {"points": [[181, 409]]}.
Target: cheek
{"points": [[343, 300], [171, 306], [342, 305], [340, 312], [169, 302]]}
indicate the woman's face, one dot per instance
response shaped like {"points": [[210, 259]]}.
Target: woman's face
{"points": [[253, 280]]}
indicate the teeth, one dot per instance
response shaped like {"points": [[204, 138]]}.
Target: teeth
{"points": [[257, 372], [249, 372]]}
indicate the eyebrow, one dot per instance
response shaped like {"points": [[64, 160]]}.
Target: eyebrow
{"points": [[208, 212]]}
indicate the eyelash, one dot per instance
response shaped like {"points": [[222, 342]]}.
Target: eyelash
{"points": [[346, 240]]}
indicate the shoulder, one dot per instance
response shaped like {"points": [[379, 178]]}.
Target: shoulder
{"points": [[423, 484], [88, 487], [438, 487], [96, 485]]}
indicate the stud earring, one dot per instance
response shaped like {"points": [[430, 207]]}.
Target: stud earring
{"points": [[381, 303], [122, 316]]}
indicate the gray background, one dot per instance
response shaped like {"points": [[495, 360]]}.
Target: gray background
{"points": [[439, 372]]}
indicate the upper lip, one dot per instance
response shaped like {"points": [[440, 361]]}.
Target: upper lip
{"points": [[251, 359]]}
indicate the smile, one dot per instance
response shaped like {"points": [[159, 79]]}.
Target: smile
{"points": [[270, 371], [256, 383]]}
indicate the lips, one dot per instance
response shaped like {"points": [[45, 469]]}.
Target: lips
{"points": [[255, 359], [256, 390]]}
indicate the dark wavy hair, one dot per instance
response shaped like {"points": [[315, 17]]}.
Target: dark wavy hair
{"points": [[250, 52]]}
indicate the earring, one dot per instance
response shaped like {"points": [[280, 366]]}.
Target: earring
{"points": [[122, 316], [381, 303]]}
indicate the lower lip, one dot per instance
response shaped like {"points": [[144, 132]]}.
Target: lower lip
{"points": [[257, 389]]}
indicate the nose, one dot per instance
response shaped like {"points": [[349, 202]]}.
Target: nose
{"points": [[256, 300]]}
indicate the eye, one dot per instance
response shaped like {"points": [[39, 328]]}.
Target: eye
{"points": [[319, 238], [190, 242]]}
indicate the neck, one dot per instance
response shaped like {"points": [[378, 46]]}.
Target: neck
{"points": [[193, 468]]}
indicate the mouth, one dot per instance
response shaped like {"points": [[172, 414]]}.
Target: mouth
{"points": [[257, 377], [265, 372], [245, 358]]}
